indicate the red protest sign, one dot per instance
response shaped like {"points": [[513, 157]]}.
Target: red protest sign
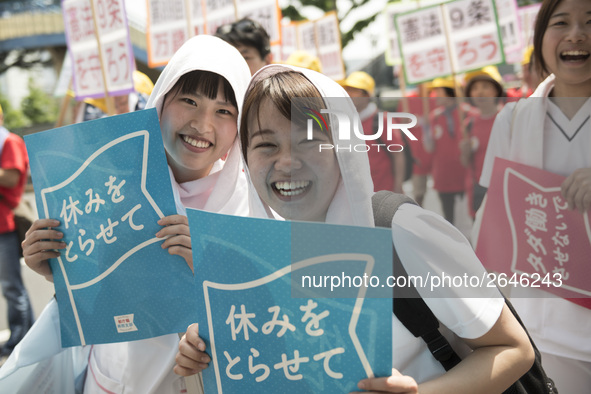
{"points": [[528, 229]]}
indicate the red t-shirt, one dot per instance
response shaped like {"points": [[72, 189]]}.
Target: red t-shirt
{"points": [[14, 156], [480, 129], [422, 158], [380, 159], [448, 172]]}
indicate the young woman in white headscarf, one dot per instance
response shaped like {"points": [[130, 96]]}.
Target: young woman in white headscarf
{"points": [[291, 179], [551, 130], [198, 97]]}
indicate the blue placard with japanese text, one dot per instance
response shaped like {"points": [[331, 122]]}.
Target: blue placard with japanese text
{"points": [[108, 184], [265, 337]]}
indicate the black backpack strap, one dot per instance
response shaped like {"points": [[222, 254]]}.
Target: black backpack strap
{"points": [[409, 307]]}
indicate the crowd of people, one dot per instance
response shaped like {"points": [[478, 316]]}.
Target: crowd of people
{"points": [[236, 106]]}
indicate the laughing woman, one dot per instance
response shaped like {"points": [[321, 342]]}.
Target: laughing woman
{"points": [[292, 179], [551, 130]]}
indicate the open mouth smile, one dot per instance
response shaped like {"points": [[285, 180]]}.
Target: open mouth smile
{"points": [[574, 55], [197, 143], [291, 189]]}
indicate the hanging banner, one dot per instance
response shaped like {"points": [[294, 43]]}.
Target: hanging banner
{"points": [[393, 56], [264, 330], [218, 13], [320, 38], [172, 22], [166, 30], [265, 12], [545, 244], [328, 39], [306, 37], [289, 41], [452, 38], [423, 44], [110, 71], [474, 36], [108, 184], [510, 32], [527, 20], [196, 16]]}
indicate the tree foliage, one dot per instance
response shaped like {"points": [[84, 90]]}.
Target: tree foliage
{"points": [[13, 118], [292, 12], [38, 106]]}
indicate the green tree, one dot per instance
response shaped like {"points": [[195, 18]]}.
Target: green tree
{"points": [[13, 118], [292, 12], [38, 106]]}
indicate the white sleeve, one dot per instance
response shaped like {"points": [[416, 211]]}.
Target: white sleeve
{"points": [[499, 142], [434, 250]]}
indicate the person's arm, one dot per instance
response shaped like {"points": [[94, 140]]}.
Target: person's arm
{"points": [[576, 189], [14, 161], [9, 177], [427, 245], [500, 357]]}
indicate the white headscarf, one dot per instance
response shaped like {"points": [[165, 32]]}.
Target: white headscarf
{"points": [[209, 53], [351, 203]]}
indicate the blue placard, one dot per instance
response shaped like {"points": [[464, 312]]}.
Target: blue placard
{"points": [[108, 183], [265, 337]]}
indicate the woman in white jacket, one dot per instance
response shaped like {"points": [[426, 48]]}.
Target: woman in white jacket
{"points": [[552, 130], [291, 179], [198, 97]]}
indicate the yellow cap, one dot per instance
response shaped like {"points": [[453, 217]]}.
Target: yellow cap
{"points": [[100, 103], [488, 73], [305, 60], [527, 54], [360, 80], [142, 83], [447, 82]]}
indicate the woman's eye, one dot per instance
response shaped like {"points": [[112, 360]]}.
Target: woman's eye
{"points": [[317, 138], [263, 145], [225, 112], [189, 101]]}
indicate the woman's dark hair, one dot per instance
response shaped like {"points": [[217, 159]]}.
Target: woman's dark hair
{"points": [[546, 10], [449, 92], [206, 83], [279, 88]]}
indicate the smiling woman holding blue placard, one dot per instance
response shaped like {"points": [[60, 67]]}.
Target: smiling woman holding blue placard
{"points": [[293, 177], [197, 97]]}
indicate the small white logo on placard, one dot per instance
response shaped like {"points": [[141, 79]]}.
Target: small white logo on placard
{"points": [[125, 323]]}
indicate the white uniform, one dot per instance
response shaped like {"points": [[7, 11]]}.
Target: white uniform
{"points": [[146, 366], [560, 328], [424, 241]]}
